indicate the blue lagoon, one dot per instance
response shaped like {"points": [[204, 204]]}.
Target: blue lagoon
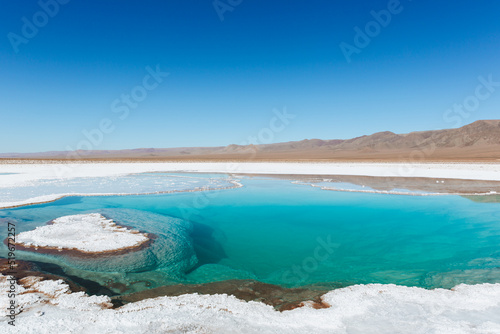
{"points": [[285, 233]]}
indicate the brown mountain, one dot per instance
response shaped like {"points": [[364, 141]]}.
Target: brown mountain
{"points": [[478, 141]]}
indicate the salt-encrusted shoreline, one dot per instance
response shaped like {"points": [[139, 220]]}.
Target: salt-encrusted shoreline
{"points": [[83, 235], [49, 307], [26, 174], [396, 192], [52, 198]]}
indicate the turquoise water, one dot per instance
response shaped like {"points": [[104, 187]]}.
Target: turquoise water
{"points": [[293, 235]]}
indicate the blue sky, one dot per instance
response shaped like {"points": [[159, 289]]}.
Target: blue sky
{"points": [[227, 76]]}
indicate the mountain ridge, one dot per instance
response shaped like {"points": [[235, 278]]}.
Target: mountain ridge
{"points": [[480, 139]]}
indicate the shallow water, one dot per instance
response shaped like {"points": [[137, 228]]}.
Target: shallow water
{"points": [[142, 183], [277, 232]]}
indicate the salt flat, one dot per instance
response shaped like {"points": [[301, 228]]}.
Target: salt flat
{"points": [[26, 173], [50, 307]]}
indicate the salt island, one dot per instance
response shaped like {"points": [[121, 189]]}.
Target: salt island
{"points": [[83, 234]]}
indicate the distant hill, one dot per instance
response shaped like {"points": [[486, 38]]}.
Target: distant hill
{"points": [[476, 141]]}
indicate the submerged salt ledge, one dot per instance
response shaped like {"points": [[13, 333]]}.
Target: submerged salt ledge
{"points": [[53, 197], [49, 307], [89, 233], [406, 192]]}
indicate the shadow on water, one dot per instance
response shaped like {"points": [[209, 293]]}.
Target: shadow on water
{"points": [[92, 288], [207, 248], [54, 272]]}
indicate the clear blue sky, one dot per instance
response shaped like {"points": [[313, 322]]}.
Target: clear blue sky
{"points": [[227, 76]]}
